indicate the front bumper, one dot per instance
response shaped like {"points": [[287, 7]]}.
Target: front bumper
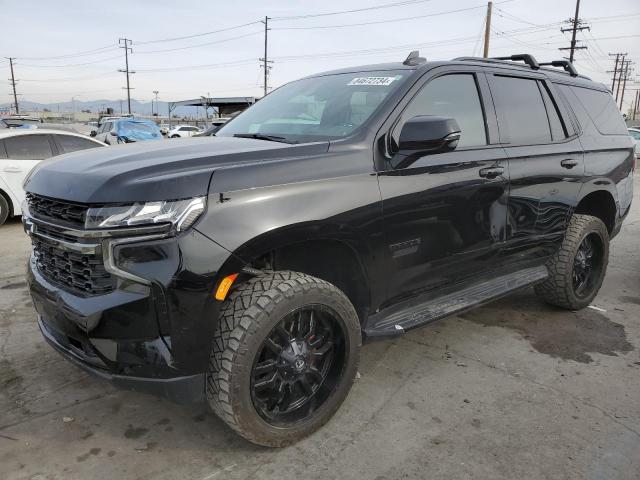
{"points": [[151, 335], [185, 389]]}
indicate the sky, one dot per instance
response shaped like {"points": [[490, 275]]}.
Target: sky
{"points": [[69, 48]]}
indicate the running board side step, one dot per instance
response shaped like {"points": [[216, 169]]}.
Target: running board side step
{"points": [[412, 313]]}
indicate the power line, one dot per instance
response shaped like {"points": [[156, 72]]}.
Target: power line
{"points": [[69, 64], [186, 37], [377, 22], [199, 45], [71, 55], [355, 10]]}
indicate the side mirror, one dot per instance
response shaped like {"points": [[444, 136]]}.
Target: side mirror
{"points": [[113, 133], [93, 133], [429, 134]]}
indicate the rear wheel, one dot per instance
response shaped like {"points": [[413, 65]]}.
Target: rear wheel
{"points": [[285, 355], [4, 209], [577, 270]]}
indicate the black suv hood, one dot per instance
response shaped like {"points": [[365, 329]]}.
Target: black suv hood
{"points": [[148, 171]]}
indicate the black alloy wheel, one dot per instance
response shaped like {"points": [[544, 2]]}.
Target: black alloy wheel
{"points": [[298, 365], [284, 356], [577, 269], [587, 265]]}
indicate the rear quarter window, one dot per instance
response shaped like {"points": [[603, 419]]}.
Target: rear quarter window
{"points": [[601, 109]]}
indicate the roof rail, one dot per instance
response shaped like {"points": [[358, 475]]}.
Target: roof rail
{"points": [[565, 64], [523, 57]]}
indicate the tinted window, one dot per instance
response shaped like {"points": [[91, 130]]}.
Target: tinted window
{"points": [[28, 147], [557, 128], [69, 143], [602, 110], [633, 133], [454, 96], [521, 111]]}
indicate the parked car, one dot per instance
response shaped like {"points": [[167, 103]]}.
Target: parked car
{"points": [[346, 206], [634, 133], [213, 128], [22, 149], [127, 130], [183, 131], [18, 121]]}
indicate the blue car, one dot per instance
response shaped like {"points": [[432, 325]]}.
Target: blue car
{"points": [[127, 130]]}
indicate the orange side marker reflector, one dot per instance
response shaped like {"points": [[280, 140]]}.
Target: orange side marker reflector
{"points": [[225, 286]]}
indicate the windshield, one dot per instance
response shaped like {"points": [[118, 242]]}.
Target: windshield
{"points": [[317, 108]]}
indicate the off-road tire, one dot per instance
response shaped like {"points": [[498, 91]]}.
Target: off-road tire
{"points": [[558, 289], [4, 209], [246, 317]]}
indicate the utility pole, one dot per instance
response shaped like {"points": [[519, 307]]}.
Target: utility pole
{"points": [[487, 30], [620, 70], [265, 60], [124, 43], [577, 25], [624, 80], [13, 84], [615, 69], [635, 105], [157, 108]]}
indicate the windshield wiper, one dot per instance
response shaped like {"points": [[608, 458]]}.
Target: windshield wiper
{"points": [[260, 136]]}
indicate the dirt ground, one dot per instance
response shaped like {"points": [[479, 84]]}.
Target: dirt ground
{"points": [[513, 390]]}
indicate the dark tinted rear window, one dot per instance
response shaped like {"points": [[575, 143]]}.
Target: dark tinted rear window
{"points": [[521, 111], [70, 143], [28, 147], [602, 110]]}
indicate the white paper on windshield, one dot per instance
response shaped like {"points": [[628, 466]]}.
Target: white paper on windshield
{"points": [[377, 81]]}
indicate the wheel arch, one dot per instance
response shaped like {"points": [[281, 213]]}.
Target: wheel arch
{"points": [[338, 259], [600, 204]]}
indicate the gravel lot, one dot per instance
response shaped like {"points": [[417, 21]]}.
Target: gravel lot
{"points": [[512, 390]]}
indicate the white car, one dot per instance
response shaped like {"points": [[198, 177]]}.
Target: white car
{"points": [[183, 131], [22, 149]]}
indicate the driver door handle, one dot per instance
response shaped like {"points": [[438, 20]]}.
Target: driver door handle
{"points": [[569, 163], [12, 169], [491, 172]]}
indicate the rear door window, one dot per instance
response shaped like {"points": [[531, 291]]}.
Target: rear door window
{"points": [[522, 115], [71, 143], [602, 110], [28, 147], [558, 131]]}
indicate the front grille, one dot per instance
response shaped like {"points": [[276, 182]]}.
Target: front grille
{"points": [[49, 208], [80, 273]]}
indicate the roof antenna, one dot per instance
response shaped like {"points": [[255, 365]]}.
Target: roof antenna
{"points": [[414, 59]]}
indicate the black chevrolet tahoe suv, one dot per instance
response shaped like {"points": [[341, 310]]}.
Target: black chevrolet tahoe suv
{"points": [[247, 268]]}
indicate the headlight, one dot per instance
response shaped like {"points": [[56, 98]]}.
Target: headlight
{"points": [[180, 213]]}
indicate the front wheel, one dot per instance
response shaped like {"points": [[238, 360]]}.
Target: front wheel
{"points": [[285, 355], [577, 270]]}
